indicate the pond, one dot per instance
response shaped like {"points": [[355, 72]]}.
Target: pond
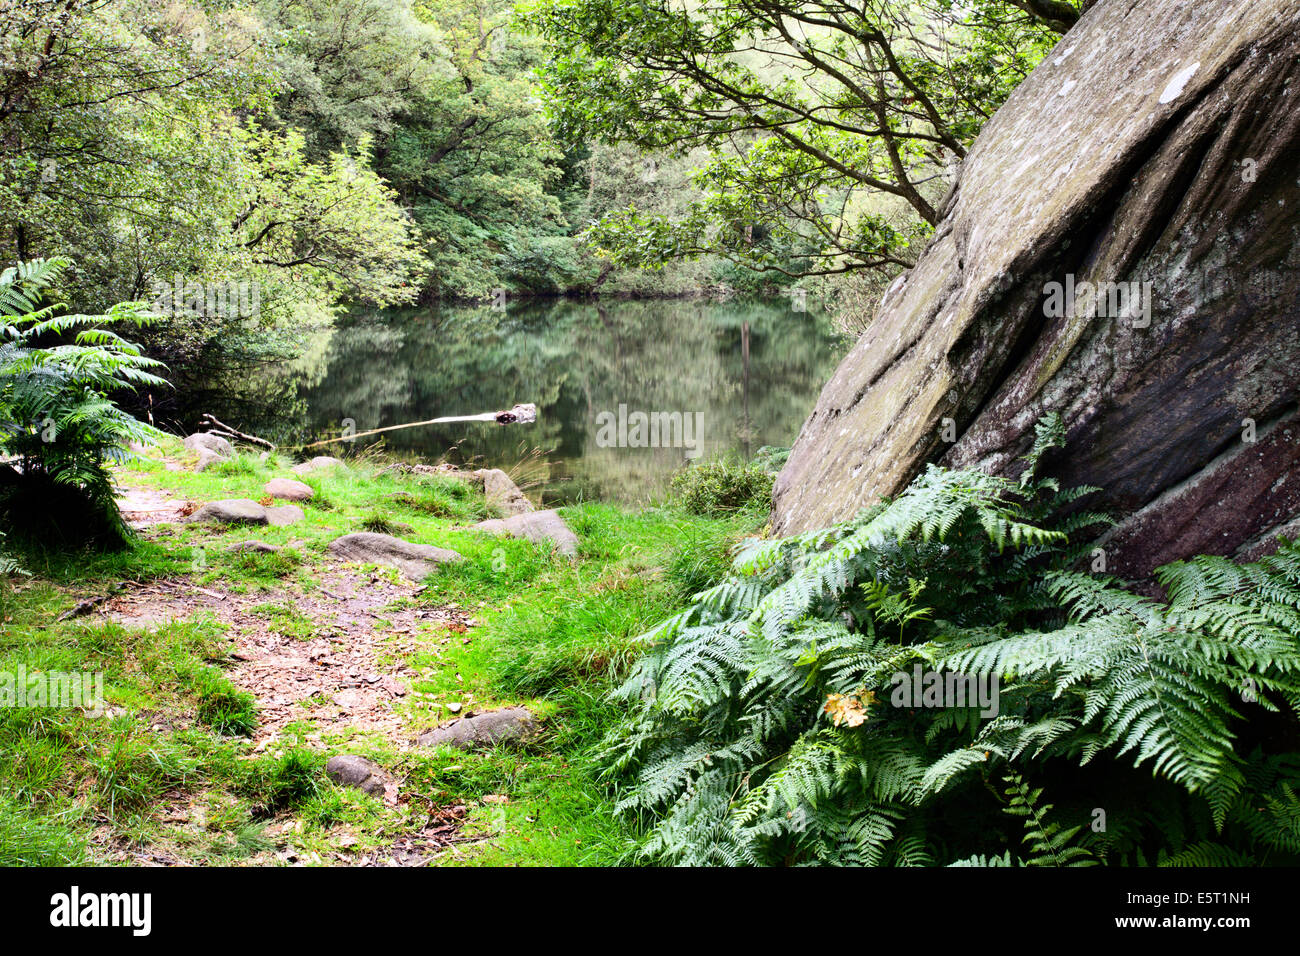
{"points": [[710, 378]]}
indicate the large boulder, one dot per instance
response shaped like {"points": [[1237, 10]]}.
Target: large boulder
{"points": [[1155, 145], [416, 561]]}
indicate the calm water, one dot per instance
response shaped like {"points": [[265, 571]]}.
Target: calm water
{"points": [[575, 361]]}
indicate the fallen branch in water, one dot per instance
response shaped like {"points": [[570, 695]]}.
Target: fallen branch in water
{"points": [[520, 414]]}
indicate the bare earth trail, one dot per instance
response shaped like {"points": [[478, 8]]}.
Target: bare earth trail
{"points": [[337, 655], [348, 676]]}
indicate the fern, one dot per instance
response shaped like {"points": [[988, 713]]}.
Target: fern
{"points": [[56, 415], [760, 727], [1048, 843]]}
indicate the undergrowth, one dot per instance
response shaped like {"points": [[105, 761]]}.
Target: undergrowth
{"points": [[768, 722]]}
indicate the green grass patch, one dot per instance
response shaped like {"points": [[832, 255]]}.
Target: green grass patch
{"points": [[286, 620], [549, 632]]}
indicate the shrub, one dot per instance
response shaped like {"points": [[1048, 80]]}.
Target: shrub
{"points": [[771, 458], [762, 727], [721, 487], [56, 416]]}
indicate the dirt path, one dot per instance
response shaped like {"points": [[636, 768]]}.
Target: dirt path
{"points": [[144, 507], [349, 671], [335, 656]]}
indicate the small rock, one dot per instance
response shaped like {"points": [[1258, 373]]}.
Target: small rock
{"points": [[288, 489], [511, 725], [203, 441], [536, 526], [261, 547], [232, 511], [353, 770], [320, 461], [501, 491], [454, 708], [416, 561], [281, 515]]}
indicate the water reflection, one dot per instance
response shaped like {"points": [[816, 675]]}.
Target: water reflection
{"points": [[750, 371]]}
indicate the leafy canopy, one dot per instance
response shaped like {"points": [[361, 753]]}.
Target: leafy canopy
{"points": [[829, 125]]}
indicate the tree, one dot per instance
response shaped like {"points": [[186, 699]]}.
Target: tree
{"points": [[350, 67], [830, 125], [138, 137], [473, 156]]}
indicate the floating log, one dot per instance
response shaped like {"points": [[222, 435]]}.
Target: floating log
{"points": [[519, 415]]}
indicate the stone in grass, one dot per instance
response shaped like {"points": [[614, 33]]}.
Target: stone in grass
{"points": [[207, 459], [511, 725], [257, 547], [500, 490], [247, 511], [538, 526], [231, 511], [320, 461], [288, 489], [353, 770], [213, 444], [281, 515], [416, 561]]}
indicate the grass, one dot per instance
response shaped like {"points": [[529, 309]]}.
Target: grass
{"points": [[286, 619], [723, 486], [171, 769]]}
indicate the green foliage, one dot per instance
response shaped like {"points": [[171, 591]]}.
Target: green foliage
{"points": [[286, 779], [380, 523], [143, 140], [1046, 843], [57, 417], [9, 566], [221, 705], [771, 459], [763, 729], [28, 840], [722, 486], [825, 153], [700, 563]]}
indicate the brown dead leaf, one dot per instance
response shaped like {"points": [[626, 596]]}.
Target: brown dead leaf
{"points": [[850, 709]]}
